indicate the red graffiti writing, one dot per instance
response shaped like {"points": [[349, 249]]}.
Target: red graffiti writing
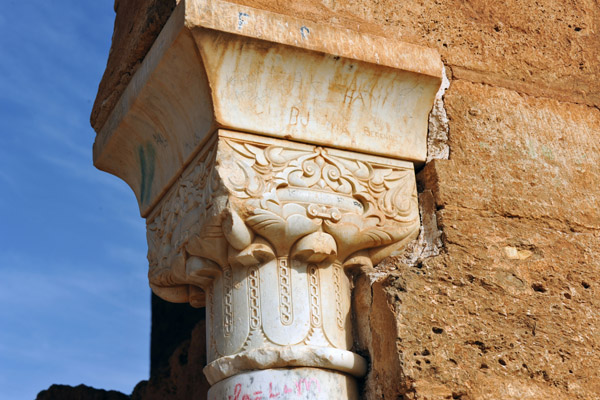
{"points": [[295, 389]]}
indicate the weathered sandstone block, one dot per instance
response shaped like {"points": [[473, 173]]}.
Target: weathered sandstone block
{"points": [[508, 310]]}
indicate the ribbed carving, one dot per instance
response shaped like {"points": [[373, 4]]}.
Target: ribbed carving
{"points": [[337, 287], [254, 297], [286, 311], [227, 300], [315, 295]]}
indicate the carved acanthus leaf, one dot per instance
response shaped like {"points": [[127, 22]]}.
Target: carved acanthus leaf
{"points": [[364, 204], [242, 201]]}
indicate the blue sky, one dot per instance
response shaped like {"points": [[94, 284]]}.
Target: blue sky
{"points": [[74, 299]]}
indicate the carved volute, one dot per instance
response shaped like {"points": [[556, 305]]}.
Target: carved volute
{"points": [[267, 166]]}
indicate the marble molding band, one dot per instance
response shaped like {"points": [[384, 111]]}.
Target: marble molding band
{"points": [[287, 356]]}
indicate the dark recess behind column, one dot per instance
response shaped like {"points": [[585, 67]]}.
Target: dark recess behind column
{"points": [[172, 324]]}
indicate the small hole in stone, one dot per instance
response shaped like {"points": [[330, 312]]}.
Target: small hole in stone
{"points": [[570, 371], [484, 366], [425, 352], [585, 285], [577, 29], [567, 295], [502, 362], [437, 330], [538, 287], [418, 362], [427, 362], [545, 376]]}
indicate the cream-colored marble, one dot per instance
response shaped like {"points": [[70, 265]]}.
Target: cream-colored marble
{"points": [[287, 356], [286, 384], [270, 157], [262, 232], [247, 199], [219, 64]]}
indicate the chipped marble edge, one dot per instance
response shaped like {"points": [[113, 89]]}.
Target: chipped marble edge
{"points": [[266, 25], [286, 356]]}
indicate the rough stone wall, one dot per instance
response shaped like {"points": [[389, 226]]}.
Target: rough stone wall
{"points": [[509, 309], [500, 298]]}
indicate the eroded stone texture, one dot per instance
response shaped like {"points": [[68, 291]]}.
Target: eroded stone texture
{"points": [[509, 310], [547, 47], [521, 157]]}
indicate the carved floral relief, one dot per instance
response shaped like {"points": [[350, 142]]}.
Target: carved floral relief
{"points": [[261, 231]]}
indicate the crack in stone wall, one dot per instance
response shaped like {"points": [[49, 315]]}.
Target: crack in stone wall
{"points": [[437, 136], [374, 318], [429, 242]]}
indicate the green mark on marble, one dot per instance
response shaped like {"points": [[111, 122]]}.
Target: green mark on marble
{"points": [[147, 158]]}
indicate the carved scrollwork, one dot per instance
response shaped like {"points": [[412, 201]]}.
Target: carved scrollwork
{"points": [[363, 204], [170, 227], [266, 227]]}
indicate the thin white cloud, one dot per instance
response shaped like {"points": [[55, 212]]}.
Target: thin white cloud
{"points": [[85, 172], [74, 309]]}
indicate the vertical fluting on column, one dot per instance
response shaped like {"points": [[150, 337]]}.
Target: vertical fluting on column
{"points": [[314, 282], [337, 288], [254, 298]]}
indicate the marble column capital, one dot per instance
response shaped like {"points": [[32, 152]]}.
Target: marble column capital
{"points": [[222, 65], [270, 155], [247, 199]]}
